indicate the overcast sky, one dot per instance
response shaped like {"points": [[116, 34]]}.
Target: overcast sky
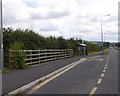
{"points": [[68, 18]]}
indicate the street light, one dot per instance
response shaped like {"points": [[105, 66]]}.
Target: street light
{"points": [[1, 37], [102, 31]]}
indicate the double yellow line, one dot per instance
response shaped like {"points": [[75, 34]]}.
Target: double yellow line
{"points": [[53, 77]]}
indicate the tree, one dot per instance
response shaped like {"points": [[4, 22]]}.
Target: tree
{"points": [[32, 40], [61, 43]]}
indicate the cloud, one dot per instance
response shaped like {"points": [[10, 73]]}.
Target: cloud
{"points": [[49, 27], [67, 18], [31, 4], [47, 13], [15, 11]]}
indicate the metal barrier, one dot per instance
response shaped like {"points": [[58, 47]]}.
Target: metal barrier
{"points": [[43, 56]]}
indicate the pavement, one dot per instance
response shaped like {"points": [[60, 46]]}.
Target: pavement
{"points": [[16, 79], [97, 75]]}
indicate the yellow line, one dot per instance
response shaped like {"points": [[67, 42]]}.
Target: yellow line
{"points": [[102, 75], [99, 81], [50, 79], [93, 91]]}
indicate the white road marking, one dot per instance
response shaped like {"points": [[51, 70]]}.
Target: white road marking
{"points": [[102, 75], [104, 71], [99, 81], [93, 91]]}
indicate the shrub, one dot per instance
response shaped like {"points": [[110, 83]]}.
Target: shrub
{"points": [[18, 56]]}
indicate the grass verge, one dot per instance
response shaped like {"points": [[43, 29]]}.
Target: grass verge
{"points": [[106, 52], [6, 70]]}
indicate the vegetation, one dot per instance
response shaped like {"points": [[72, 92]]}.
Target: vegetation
{"points": [[19, 57], [106, 44], [117, 44], [106, 52], [6, 70], [20, 93], [92, 47], [28, 39]]}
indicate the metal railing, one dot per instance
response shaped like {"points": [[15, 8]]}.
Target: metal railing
{"points": [[42, 56]]}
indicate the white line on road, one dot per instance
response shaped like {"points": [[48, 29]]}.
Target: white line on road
{"points": [[32, 90], [105, 68], [93, 91], [102, 75], [104, 71], [99, 81]]}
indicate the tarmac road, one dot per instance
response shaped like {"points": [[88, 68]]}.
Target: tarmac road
{"points": [[94, 76], [16, 79]]}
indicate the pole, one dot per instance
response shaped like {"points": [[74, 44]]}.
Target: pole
{"points": [[101, 36], [105, 46], [102, 33], [1, 37]]}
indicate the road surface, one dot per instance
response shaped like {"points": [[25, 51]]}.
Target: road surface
{"points": [[97, 75], [16, 79]]}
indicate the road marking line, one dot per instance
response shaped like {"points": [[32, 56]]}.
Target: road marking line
{"points": [[107, 61], [104, 71], [102, 75], [93, 91], [48, 80], [52, 78], [105, 68], [99, 81]]}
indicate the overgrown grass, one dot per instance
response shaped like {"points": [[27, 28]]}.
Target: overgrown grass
{"points": [[20, 93], [94, 53], [106, 52], [10, 69], [7, 70]]}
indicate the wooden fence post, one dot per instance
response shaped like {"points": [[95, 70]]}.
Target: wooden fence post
{"points": [[45, 56], [30, 57]]}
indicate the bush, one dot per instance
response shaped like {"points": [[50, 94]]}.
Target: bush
{"points": [[18, 56]]}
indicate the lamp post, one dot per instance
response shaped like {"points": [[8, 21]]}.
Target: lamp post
{"points": [[1, 37], [102, 31]]}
